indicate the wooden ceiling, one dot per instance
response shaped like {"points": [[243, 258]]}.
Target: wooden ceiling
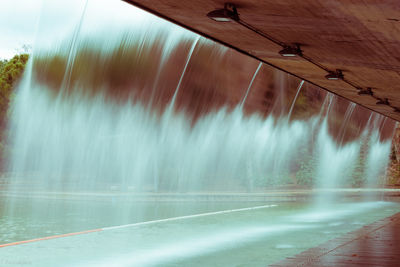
{"points": [[359, 37]]}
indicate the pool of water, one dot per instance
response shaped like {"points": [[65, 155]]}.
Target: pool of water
{"points": [[238, 237], [23, 218]]}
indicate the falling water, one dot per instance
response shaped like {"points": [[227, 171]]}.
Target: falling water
{"points": [[295, 98], [184, 70], [375, 155], [250, 84], [346, 119], [73, 47], [335, 164], [91, 143]]}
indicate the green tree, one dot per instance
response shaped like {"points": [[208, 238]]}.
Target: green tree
{"points": [[10, 72]]}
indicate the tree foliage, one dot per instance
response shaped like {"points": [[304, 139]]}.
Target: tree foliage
{"points": [[10, 72]]}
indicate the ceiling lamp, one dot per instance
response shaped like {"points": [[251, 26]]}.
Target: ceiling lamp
{"points": [[335, 75], [290, 51], [230, 14], [383, 101], [225, 14], [367, 91]]}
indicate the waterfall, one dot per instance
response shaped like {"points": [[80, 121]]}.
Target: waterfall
{"points": [[250, 84], [95, 115]]}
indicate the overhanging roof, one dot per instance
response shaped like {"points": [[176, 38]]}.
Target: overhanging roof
{"points": [[362, 38]]}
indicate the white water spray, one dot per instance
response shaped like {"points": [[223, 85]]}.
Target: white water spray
{"points": [[86, 143], [250, 84]]}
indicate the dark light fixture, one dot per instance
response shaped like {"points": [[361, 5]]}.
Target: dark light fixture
{"points": [[383, 101], [227, 14], [230, 14], [335, 75], [367, 91], [291, 51]]}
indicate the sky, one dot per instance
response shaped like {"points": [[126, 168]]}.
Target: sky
{"points": [[29, 23], [18, 19]]}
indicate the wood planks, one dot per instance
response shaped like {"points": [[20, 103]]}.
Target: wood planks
{"points": [[360, 37]]}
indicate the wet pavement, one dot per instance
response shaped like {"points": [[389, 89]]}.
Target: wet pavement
{"points": [[377, 244], [247, 237]]}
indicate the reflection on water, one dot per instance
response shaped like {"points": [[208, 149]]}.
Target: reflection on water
{"points": [[257, 236]]}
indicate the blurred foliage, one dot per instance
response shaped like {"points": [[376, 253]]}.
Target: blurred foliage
{"points": [[305, 175], [355, 177], [393, 171], [358, 175], [10, 72], [93, 69]]}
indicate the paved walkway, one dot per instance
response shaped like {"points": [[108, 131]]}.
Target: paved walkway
{"points": [[377, 244]]}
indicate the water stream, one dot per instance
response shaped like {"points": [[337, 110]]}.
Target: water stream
{"points": [[67, 139], [250, 84], [295, 98], [184, 70]]}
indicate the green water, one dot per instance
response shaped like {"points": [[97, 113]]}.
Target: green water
{"points": [[240, 238], [28, 218]]}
